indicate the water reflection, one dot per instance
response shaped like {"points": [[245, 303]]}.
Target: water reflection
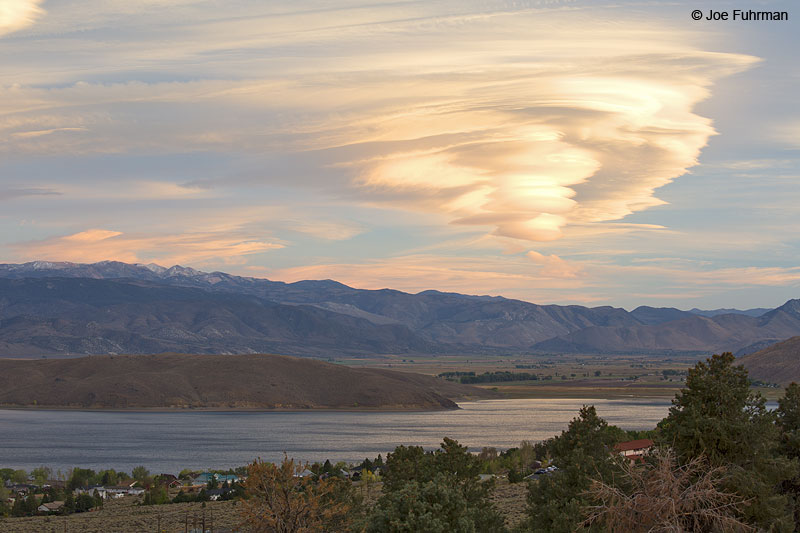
{"points": [[171, 441]]}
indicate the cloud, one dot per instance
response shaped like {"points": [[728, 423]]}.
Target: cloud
{"points": [[553, 266], [94, 245], [18, 14], [521, 123], [420, 272], [12, 193]]}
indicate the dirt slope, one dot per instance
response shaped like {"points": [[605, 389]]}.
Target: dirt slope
{"points": [[779, 363], [219, 381]]}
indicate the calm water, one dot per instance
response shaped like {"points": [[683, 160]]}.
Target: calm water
{"points": [[169, 442]]}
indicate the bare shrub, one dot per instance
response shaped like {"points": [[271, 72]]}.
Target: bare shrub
{"points": [[664, 497], [280, 501]]}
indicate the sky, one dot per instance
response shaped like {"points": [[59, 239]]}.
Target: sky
{"points": [[569, 152]]}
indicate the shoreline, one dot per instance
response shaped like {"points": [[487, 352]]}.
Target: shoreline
{"points": [[226, 409]]}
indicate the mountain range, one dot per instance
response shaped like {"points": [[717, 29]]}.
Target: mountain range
{"points": [[113, 307]]}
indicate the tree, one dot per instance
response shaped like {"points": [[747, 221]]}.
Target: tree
{"points": [[84, 502], [527, 454], [98, 500], [788, 414], [19, 476], [367, 480], [450, 472], [281, 501], [660, 495], [140, 473], [41, 474], [109, 477], [582, 452], [18, 509], [156, 496], [435, 506], [69, 503], [406, 463], [80, 477], [718, 417]]}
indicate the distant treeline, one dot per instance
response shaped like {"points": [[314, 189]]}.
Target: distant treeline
{"points": [[488, 377]]}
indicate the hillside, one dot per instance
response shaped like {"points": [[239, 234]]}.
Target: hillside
{"points": [[779, 363], [218, 381], [112, 307], [737, 333]]}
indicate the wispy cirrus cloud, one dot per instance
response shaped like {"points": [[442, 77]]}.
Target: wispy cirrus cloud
{"points": [[19, 192], [18, 14]]}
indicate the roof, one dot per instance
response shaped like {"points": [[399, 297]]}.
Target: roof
{"points": [[53, 506], [634, 445]]}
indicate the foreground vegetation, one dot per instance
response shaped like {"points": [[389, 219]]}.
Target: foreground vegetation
{"points": [[722, 462]]}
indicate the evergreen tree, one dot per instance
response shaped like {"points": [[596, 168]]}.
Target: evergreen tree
{"points": [[69, 503], [435, 506], [18, 509], [84, 502], [788, 413], [719, 418], [583, 452], [442, 485]]}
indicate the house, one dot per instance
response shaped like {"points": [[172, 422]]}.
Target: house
{"points": [[217, 494], [50, 507], [634, 449], [203, 479], [21, 489], [90, 490], [117, 491], [206, 477], [305, 473], [169, 480]]}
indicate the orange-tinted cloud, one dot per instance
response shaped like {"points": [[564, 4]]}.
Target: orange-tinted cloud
{"points": [[99, 244]]}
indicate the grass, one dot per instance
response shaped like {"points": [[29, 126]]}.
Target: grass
{"points": [[125, 515]]}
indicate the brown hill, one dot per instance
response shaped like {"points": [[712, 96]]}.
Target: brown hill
{"points": [[219, 381], [779, 363]]}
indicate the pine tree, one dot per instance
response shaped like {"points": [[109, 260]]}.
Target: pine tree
{"points": [[719, 418]]}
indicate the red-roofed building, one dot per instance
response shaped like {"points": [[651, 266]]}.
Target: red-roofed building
{"points": [[634, 449]]}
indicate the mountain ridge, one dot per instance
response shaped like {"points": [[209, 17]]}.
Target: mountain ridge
{"points": [[187, 310]]}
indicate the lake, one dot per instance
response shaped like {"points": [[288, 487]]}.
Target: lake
{"points": [[171, 441]]}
